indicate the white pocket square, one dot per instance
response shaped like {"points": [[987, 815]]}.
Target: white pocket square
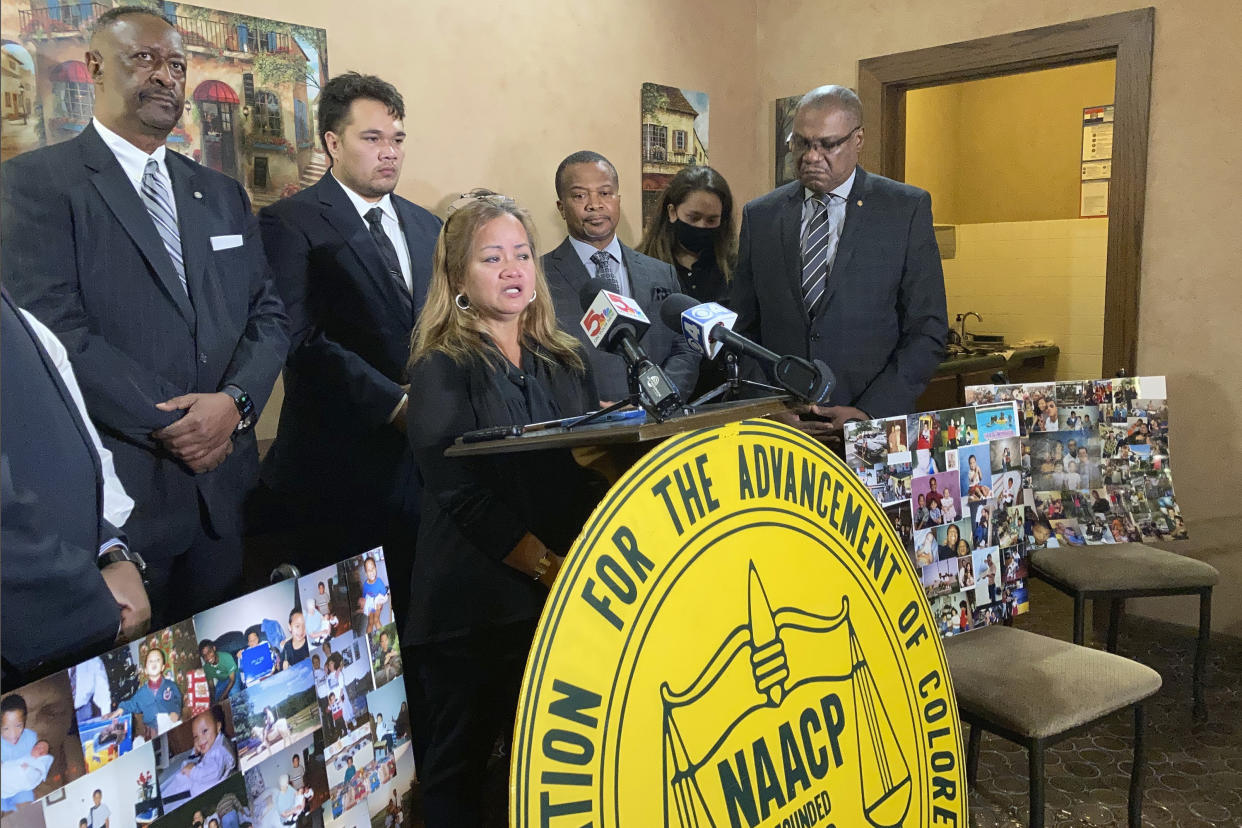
{"points": [[225, 242]]}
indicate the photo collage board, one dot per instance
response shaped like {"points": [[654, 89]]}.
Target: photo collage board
{"points": [[950, 482], [972, 491], [1095, 461], [283, 708]]}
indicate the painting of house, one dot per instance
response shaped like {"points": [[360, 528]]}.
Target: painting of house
{"points": [[674, 136], [784, 171], [251, 91]]}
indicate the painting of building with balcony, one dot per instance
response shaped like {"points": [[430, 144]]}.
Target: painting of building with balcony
{"points": [[251, 91], [784, 163], [674, 136]]}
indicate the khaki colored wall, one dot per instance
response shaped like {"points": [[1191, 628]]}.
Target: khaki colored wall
{"points": [[1191, 300], [1004, 149], [498, 93]]}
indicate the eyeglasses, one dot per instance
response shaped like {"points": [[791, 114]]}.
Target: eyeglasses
{"points": [[826, 146], [480, 194]]}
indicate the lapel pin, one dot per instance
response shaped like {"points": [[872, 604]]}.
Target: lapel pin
{"points": [[860, 202], [197, 194]]}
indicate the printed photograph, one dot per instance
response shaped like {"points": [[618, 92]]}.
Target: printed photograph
{"points": [[253, 630], [1005, 455], [936, 499], [385, 655], [367, 577], [674, 136], [975, 472], [784, 167], [390, 789], [39, 746], [287, 788], [193, 758], [121, 794], [1015, 564], [902, 520], [997, 421], [224, 806], [988, 575], [1078, 417], [326, 609], [166, 684], [342, 693], [272, 715]]}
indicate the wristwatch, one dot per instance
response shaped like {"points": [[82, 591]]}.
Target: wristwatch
{"points": [[245, 407], [541, 566], [117, 553]]}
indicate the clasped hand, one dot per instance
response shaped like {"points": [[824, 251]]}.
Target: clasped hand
{"points": [[203, 437]]}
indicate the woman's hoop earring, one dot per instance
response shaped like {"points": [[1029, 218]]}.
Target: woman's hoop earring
{"points": [[461, 302], [533, 294]]}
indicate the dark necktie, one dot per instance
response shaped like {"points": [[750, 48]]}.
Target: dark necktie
{"points": [[817, 250], [604, 271], [388, 252], [158, 198]]}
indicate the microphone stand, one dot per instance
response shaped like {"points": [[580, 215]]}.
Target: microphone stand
{"points": [[733, 384]]}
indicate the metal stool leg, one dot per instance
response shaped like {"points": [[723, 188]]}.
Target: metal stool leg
{"points": [[1136, 770], [972, 755], [1116, 607], [1201, 648], [1035, 756]]}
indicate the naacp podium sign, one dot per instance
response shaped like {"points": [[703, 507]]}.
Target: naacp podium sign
{"points": [[738, 639]]}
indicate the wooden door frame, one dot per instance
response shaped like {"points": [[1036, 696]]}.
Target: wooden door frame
{"points": [[1126, 37]]}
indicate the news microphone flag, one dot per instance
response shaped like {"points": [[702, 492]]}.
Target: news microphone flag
{"points": [[608, 311], [698, 322]]}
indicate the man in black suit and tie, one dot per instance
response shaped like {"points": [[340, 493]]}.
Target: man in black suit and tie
{"points": [[588, 198], [71, 587], [352, 262], [842, 265], [150, 269]]}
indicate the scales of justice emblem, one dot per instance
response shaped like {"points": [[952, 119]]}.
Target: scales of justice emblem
{"points": [[788, 664]]}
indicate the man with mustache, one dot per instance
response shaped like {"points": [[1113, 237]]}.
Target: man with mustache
{"points": [[842, 265], [352, 261], [149, 269]]}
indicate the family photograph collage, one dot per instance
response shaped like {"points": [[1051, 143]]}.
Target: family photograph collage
{"points": [[972, 491], [284, 708]]}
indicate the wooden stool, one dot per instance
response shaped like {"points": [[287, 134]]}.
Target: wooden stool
{"points": [[1035, 691], [1131, 570]]}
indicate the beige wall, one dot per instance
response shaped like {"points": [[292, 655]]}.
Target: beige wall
{"points": [[1191, 300], [1007, 148]]}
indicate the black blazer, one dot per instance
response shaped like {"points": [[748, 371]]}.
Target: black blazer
{"points": [[651, 281], [82, 254], [881, 324], [56, 604], [475, 510], [350, 325]]}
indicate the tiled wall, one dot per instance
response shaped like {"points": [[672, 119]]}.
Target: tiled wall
{"points": [[1035, 280]]}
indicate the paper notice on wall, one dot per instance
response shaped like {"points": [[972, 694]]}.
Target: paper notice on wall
{"points": [[1094, 199], [1097, 170], [1097, 133]]}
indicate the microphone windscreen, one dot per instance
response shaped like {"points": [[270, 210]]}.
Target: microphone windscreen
{"points": [[674, 305], [586, 296]]}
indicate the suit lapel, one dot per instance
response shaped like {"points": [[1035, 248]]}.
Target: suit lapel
{"points": [[192, 220], [122, 199], [791, 245], [340, 213], [420, 268], [569, 266], [855, 216]]}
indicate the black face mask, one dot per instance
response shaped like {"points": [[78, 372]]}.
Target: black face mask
{"points": [[694, 239]]}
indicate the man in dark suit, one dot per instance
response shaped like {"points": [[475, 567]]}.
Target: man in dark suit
{"points": [[588, 198], [352, 290], [149, 268], [71, 589], [842, 265]]}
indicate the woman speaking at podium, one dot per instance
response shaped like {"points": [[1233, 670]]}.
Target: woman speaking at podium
{"points": [[486, 352]]}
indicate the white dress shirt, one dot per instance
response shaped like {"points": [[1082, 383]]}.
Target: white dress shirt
{"points": [[133, 160], [391, 225], [586, 251], [117, 504], [836, 213]]}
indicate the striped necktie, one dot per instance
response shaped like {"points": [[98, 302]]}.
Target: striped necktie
{"points": [[157, 196], [817, 249]]}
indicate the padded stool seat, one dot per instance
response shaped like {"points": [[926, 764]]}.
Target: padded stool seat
{"points": [[1130, 570], [1046, 691]]}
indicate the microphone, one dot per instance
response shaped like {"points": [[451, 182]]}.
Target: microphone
{"points": [[614, 323], [708, 327]]}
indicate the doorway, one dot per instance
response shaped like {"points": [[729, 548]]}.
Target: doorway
{"points": [[219, 145], [1024, 233], [883, 83]]}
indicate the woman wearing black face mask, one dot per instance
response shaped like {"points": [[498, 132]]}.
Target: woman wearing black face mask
{"points": [[692, 229]]}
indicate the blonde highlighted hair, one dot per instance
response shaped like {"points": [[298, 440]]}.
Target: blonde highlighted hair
{"points": [[459, 334]]}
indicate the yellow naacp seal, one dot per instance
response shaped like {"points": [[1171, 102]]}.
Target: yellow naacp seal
{"points": [[737, 639]]}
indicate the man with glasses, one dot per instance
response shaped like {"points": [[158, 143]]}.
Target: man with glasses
{"points": [[352, 260], [589, 200], [842, 265]]}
